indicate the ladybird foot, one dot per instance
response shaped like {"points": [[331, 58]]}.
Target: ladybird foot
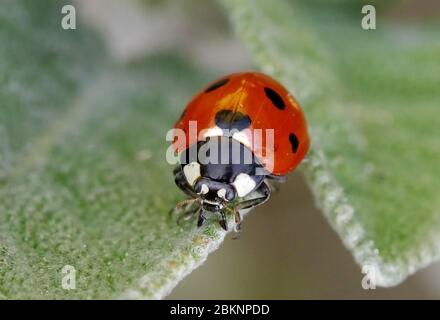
{"points": [[237, 229], [201, 220], [223, 224]]}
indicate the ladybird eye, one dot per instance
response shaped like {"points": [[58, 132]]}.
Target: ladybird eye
{"points": [[204, 189], [222, 193]]}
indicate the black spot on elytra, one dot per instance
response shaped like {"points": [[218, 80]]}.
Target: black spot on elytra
{"points": [[294, 142], [275, 98], [217, 85], [228, 119]]}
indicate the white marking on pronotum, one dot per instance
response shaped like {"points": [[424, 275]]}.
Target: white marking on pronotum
{"points": [[242, 137], [192, 172], [211, 132], [222, 193], [243, 184], [205, 189]]}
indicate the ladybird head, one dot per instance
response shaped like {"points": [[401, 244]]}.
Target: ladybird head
{"points": [[219, 170], [214, 194]]}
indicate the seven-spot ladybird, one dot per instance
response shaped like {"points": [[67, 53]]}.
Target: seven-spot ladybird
{"points": [[248, 130]]}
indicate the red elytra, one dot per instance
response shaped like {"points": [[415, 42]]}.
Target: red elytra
{"points": [[257, 101]]}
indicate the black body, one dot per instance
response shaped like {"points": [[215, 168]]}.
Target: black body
{"points": [[221, 160]]}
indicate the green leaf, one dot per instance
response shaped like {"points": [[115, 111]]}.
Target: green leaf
{"points": [[371, 98], [83, 176]]}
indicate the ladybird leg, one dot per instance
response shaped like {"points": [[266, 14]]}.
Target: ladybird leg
{"points": [[201, 218], [184, 205], [187, 215], [237, 220], [222, 221], [176, 169], [247, 204], [237, 228], [183, 185]]}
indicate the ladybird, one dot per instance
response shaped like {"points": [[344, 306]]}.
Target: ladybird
{"points": [[240, 132]]}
